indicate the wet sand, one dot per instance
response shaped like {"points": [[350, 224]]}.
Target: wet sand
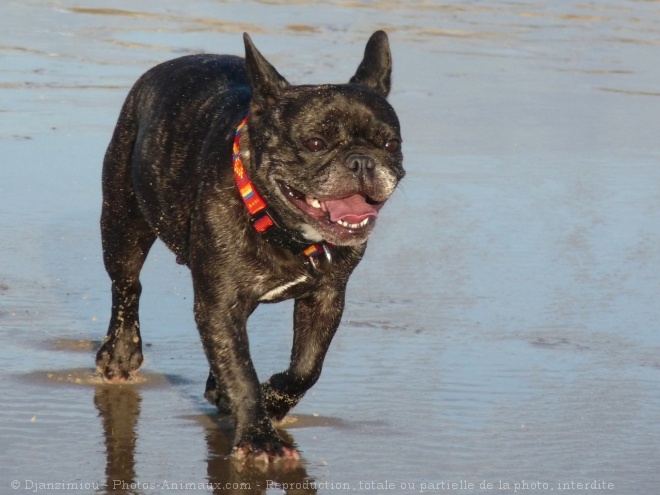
{"points": [[501, 334]]}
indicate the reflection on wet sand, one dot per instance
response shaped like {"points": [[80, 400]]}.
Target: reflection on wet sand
{"points": [[119, 409]]}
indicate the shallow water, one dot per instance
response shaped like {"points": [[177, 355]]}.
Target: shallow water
{"points": [[502, 329]]}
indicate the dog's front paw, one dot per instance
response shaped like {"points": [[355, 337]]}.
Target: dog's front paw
{"points": [[278, 403], [264, 447], [117, 361]]}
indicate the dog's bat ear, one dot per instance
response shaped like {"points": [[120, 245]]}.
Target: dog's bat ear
{"points": [[265, 81], [375, 70]]}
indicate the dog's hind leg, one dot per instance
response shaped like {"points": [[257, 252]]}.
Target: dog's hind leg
{"points": [[216, 394], [126, 238]]}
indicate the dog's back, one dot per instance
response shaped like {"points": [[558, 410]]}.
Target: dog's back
{"points": [[170, 126]]}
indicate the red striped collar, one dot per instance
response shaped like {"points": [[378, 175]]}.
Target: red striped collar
{"points": [[265, 221]]}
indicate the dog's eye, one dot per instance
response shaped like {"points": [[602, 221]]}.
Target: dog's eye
{"points": [[315, 144], [392, 145]]}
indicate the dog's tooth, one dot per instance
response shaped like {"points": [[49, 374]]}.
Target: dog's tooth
{"points": [[359, 225], [313, 202]]}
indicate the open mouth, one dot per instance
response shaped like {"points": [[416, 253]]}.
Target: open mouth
{"points": [[354, 214]]}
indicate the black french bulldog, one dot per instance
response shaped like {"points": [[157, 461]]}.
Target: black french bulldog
{"points": [[266, 191]]}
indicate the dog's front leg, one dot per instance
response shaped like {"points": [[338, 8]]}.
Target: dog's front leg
{"points": [[221, 318], [316, 318]]}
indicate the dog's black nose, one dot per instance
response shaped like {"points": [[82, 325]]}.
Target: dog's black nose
{"points": [[360, 163]]}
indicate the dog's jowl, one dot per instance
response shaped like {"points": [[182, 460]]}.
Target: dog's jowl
{"points": [[266, 191]]}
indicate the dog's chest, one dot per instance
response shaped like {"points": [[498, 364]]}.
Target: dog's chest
{"points": [[285, 290]]}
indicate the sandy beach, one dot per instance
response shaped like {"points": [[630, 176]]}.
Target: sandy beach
{"points": [[501, 334]]}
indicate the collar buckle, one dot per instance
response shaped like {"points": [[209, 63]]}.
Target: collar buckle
{"points": [[319, 256]]}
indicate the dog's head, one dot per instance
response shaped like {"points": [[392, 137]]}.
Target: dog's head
{"points": [[326, 157]]}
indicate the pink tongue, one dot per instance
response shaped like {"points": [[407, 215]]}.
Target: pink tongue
{"points": [[353, 209]]}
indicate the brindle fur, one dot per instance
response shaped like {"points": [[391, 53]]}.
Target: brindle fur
{"points": [[168, 174]]}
